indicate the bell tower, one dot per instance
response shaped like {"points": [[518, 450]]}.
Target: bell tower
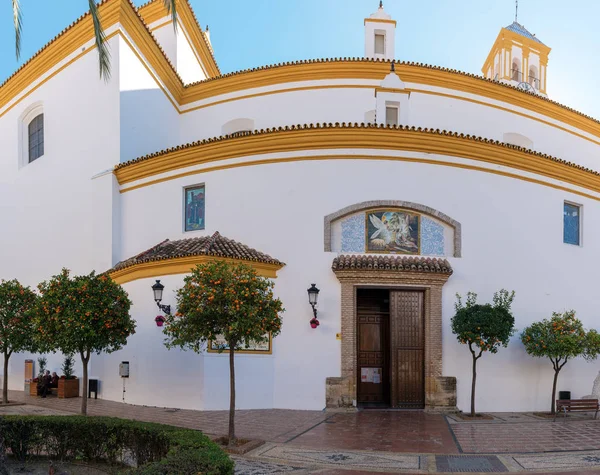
{"points": [[380, 35], [518, 58]]}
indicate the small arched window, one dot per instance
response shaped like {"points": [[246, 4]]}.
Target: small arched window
{"points": [[237, 127], [516, 70], [35, 134]]}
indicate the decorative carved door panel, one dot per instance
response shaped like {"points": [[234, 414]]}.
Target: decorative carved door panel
{"points": [[408, 349], [373, 317]]}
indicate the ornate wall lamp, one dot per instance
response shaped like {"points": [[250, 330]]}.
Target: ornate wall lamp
{"points": [[158, 294], [313, 297]]}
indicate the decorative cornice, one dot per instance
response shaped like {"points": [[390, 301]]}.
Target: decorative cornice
{"points": [[391, 263], [356, 136]]}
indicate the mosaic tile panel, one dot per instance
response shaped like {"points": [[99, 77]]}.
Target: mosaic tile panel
{"points": [[353, 234], [432, 237], [558, 461]]}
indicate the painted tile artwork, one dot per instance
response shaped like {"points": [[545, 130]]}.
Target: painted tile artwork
{"points": [[394, 232], [432, 237], [194, 208]]}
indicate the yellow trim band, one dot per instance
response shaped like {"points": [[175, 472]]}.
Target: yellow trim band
{"points": [[183, 265], [380, 20], [364, 137]]}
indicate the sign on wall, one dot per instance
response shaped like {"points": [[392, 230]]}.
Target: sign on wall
{"points": [[394, 232], [253, 348]]}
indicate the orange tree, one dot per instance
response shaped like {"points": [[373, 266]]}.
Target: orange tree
{"points": [[84, 315], [483, 327], [16, 325], [226, 301], [560, 339]]}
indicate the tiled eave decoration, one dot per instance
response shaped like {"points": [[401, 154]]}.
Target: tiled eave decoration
{"points": [[343, 125], [176, 257], [391, 263]]}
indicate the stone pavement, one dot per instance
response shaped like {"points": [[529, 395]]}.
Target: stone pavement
{"points": [[363, 442]]}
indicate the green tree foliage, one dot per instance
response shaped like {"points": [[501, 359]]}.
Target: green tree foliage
{"points": [[67, 367], [99, 34], [560, 339], [483, 328], [224, 300], [84, 315], [16, 326]]}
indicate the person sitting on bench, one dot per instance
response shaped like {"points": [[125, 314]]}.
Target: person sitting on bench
{"points": [[46, 380], [54, 380]]}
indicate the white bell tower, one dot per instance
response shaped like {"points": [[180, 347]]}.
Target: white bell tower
{"points": [[380, 35]]}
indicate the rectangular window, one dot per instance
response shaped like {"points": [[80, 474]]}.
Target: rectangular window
{"points": [[572, 224], [194, 205], [379, 44], [391, 115]]}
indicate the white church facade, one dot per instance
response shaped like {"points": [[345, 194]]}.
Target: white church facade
{"points": [[392, 186]]}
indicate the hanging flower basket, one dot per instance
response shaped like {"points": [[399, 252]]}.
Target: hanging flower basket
{"points": [[314, 323], [160, 320]]}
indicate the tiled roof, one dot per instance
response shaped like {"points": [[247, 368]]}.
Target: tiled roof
{"points": [[392, 263], [521, 30], [348, 125], [215, 245]]}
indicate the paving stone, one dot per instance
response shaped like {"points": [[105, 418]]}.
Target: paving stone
{"points": [[477, 464], [354, 459]]}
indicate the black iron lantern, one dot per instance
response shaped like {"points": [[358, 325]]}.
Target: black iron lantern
{"points": [[313, 297], [158, 288]]}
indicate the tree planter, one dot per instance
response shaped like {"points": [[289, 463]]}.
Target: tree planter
{"points": [[33, 388], [68, 388]]}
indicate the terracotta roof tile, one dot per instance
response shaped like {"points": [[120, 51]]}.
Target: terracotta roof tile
{"points": [[355, 125], [215, 245], [392, 263]]}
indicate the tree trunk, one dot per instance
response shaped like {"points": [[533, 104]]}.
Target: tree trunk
{"points": [[552, 407], [231, 395], [473, 386], [5, 379], [84, 400]]}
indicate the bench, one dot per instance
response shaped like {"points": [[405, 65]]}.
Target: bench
{"points": [[576, 405]]}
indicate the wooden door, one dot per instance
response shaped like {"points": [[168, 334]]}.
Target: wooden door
{"points": [[408, 349], [373, 316]]}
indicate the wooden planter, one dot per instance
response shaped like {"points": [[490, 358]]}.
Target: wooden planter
{"points": [[33, 388], [68, 388]]}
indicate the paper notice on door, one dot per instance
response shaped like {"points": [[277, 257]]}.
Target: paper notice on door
{"points": [[364, 375], [377, 376]]}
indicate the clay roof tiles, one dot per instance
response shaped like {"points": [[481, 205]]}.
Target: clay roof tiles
{"points": [[215, 245], [392, 263]]}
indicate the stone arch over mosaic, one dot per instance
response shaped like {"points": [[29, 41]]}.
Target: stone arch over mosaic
{"points": [[348, 230]]}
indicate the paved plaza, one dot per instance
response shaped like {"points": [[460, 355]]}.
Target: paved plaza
{"points": [[354, 443]]}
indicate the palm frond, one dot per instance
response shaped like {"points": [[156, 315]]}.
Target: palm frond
{"points": [[171, 6], [103, 53], [18, 21]]}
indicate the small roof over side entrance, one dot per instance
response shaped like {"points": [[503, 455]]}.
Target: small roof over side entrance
{"points": [[179, 257]]}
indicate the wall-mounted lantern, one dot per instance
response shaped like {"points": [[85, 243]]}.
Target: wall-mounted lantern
{"points": [[158, 294], [313, 297]]}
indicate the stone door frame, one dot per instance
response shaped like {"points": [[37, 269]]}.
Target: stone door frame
{"points": [[440, 392]]}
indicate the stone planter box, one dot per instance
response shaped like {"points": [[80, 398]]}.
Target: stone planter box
{"points": [[68, 388]]}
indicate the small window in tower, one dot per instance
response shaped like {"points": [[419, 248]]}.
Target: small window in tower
{"points": [[572, 224], [379, 43], [36, 137], [391, 115]]}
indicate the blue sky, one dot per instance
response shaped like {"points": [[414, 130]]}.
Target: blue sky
{"points": [[451, 33]]}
